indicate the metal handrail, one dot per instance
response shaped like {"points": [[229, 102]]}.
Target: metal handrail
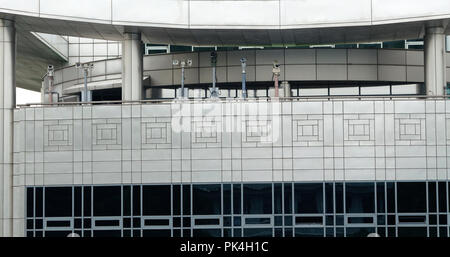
{"points": [[258, 99]]}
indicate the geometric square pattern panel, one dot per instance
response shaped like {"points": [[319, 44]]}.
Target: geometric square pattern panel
{"points": [[308, 129], [58, 135], [257, 129], [410, 129], [106, 134], [156, 134], [205, 130], [359, 130]]}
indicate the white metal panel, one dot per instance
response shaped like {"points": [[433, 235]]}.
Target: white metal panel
{"points": [[98, 10], [28, 7], [320, 13], [239, 14], [388, 11], [154, 12]]}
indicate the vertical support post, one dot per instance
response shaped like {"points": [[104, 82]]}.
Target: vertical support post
{"points": [[182, 80], [85, 73], [244, 77], [276, 86], [7, 105], [214, 90], [132, 67], [435, 77]]}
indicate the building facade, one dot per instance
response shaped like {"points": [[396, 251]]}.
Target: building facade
{"points": [[315, 129]]}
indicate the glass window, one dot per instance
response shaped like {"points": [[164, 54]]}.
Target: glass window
{"points": [[227, 199], [309, 232], [257, 232], [329, 197], [442, 193], [237, 199], [359, 232], [381, 197], [339, 191], [412, 232], [77, 201], [207, 233], [186, 200], [39, 202], [136, 200], [390, 197], [30, 202], [176, 200], [156, 200], [308, 198], [87, 195], [432, 196], [411, 196], [107, 201], [257, 199], [288, 198], [126, 201], [359, 198], [58, 201], [206, 199], [399, 44], [278, 198]]}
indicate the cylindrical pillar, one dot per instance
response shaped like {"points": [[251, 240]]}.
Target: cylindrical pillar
{"points": [[132, 67], [434, 56], [7, 104]]}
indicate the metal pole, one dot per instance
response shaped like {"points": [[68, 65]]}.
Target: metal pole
{"points": [[85, 85], [276, 85], [244, 88], [214, 92], [214, 77], [50, 88], [244, 77], [182, 81]]}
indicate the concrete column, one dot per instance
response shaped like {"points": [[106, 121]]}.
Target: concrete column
{"points": [[434, 56], [132, 67], [7, 104]]}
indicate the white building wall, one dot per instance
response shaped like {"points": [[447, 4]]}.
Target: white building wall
{"points": [[368, 140], [311, 141]]}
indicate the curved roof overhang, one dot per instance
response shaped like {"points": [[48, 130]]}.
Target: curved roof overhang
{"points": [[224, 22]]}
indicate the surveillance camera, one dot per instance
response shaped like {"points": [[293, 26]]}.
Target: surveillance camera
{"points": [[276, 64], [213, 54], [189, 62], [243, 60], [50, 68], [183, 63], [91, 65], [175, 62], [78, 65]]}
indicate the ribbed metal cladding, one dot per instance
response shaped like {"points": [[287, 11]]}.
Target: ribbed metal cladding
{"points": [[7, 104], [132, 67]]}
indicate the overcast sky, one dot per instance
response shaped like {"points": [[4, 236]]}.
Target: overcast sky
{"points": [[24, 96]]}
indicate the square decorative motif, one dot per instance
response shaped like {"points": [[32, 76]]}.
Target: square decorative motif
{"points": [[58, 134], [307, 130], [359, 130], [257, 130], [205, 130], [157, 132], [106, 133], [410, 129]]}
